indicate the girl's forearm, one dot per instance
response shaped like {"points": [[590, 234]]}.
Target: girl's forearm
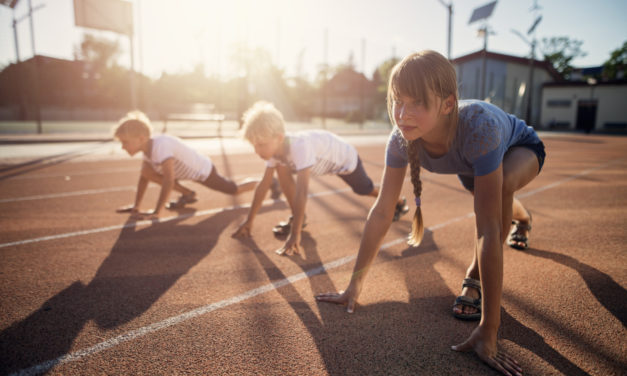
{"points": [[490, 259], [375, 229]]}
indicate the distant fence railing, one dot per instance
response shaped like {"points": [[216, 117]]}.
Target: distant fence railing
{"points": [[219, 118]]}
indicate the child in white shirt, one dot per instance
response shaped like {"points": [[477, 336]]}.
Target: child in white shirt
{"points": [[166, 161], [309, 153]]}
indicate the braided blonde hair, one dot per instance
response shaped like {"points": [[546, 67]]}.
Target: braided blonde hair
{"points": [[416, 76]]}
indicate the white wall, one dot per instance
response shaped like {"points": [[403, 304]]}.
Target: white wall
{"points": [[611, 104]]}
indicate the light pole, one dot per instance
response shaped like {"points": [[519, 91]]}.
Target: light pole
{"points": [[449, 7], [532, 58]]}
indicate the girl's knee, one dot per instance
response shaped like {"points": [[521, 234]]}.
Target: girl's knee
{"points": [[510, 185]]}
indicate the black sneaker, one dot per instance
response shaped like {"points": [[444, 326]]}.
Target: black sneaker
{"points": [[400, 210], [284, 227], [182, 201]]}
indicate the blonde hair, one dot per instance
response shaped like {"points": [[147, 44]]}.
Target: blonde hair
{"points": [[416, 76], [134, 124], [262, 121]]}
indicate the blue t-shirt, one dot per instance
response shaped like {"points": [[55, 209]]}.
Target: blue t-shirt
{"points": [[484, 133]]}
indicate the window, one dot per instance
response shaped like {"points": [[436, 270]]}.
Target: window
{"points": [[565, 103]]}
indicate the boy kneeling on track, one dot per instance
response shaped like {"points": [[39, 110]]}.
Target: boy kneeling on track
{"points": [[166, 161], [307, 153]]}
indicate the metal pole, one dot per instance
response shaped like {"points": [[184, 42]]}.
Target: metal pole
{"points": [[485, 62], [131, 37], [142, 97], [17, 46], [324, 80], [18, 72], [133, 84], [530, 96], [450, 17], [449, 7], [361, 85], [36, 69]]}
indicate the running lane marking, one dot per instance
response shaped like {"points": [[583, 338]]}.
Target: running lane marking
{"points": [[84, 192], [137, 333], [69, 194], [161, 220], [268, 202]]}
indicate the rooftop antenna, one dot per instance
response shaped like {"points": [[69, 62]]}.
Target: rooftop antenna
{"points": [[482, 14]]}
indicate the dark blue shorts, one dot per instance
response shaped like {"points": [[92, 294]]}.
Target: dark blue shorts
{"points": [[358, 180], [219, 182], [469, 181]]}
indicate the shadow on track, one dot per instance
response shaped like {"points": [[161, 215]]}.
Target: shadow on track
{"points": [[142, 266], [396, 337], [608, 292]]}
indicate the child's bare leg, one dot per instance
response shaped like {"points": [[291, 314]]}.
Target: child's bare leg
{"points": [[246, 185], [149, 173], [520, 166], [375, 193]]}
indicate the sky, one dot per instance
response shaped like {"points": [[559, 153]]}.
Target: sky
{"points": [[174, 36]]}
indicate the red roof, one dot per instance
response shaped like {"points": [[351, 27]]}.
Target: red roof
{"points": [[510, 59]]}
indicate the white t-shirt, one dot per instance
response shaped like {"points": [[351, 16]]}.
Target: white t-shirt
{"points": [[188, 164], [323, 151]]}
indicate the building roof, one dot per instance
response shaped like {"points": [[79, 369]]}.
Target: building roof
{"points": [[9, 3], [585, 83], [544, 64]]}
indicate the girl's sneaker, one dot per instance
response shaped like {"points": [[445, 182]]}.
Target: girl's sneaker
{"points": [[401, 209]]}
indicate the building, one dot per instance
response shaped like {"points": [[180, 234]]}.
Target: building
{"points": [[506, 81], [585, 105], [348, 94]]}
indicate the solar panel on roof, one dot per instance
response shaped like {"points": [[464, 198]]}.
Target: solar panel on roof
{"points": [[482, 12]]}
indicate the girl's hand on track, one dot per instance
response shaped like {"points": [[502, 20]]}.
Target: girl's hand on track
{"points": [[243, 231], [347, 298], [486, 347]]}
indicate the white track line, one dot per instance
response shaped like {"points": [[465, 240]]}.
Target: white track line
{"points": [[161, 220], [129, 336], [87, 192], [69, 194], [77, 173]]}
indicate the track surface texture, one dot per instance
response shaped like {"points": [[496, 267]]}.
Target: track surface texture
{"points": [[85, 290]]}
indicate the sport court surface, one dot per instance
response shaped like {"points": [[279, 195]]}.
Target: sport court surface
{"points": [[85, 291]]}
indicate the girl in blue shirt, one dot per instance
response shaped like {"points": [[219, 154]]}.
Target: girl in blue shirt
{"points": [[493, 153]]}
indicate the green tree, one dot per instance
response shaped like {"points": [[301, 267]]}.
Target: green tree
{"points": [[380, 78], [560, 51], [615, 67]]}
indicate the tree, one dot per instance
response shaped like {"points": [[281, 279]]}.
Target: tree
{"points": [[560, 51], [99, 52], [615, 67], [380, 78]]}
